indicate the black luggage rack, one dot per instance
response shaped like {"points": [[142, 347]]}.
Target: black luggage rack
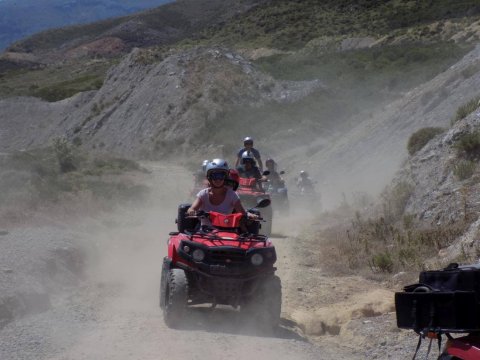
{"points": [[444, 301]]}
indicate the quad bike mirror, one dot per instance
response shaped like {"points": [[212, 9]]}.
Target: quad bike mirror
{"points": [[263, 203], [266, 173]]}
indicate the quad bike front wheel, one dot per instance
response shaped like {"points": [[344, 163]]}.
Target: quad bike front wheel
{"points": [[446, 356], [175, 292]]}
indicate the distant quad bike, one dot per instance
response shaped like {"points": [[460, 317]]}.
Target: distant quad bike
{"points": [[250, 195], [279, 196], [444, 302], [220, 264]]}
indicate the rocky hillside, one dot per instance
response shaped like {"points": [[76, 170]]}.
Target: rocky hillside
{"points": [[151, 110], [344, 98], [15, 15], [366, 156], [444, 182]]}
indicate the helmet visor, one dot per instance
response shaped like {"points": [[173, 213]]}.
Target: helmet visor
{"points": [[217, 175]]}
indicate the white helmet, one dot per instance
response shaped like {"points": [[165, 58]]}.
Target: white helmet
{"points": [[217, 165], [248, 139], [247, 155], [204, 165]]}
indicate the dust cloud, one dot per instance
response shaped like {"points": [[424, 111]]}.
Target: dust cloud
{"points": [[124, 273]]}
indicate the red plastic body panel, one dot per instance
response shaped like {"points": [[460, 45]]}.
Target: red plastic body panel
{"points": [[248, 182], [247, 186], [226, 221], [465, 348], [220, 238]]}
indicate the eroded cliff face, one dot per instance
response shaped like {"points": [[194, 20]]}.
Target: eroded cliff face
{"points": [[148, 108]]}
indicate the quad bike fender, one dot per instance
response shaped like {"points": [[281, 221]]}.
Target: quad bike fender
{"points": [[465, 348]]}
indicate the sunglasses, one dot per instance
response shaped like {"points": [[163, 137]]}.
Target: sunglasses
{"points": [[248, 143], [218, 176]]}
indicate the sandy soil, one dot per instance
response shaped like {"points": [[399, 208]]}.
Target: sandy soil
{"points": [[113, 312]]}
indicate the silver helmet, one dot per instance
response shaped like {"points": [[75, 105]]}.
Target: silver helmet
{"points": [[217, 165]]}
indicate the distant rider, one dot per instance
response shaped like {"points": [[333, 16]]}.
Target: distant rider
{"points": [[304, 183], [248, 146], [274, 177]]}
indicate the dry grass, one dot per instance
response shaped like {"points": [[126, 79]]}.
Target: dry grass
{"points": [[61, 176], [385, 240]]}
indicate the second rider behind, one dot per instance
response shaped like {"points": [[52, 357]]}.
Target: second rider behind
{"points": [[218, 197], [248, 169]]}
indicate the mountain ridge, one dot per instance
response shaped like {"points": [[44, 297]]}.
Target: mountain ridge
{"points": [[15, 15]]}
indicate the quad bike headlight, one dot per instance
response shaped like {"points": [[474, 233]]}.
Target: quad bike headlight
{"points": [[256, 259], [198, 255]]}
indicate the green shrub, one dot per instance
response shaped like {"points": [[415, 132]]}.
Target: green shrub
{"points": [[64, 154], [395, 200], [466, 109], [382, 262], [469, 144], [421, 137], [464, 169]]}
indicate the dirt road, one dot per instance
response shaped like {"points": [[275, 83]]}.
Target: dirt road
{"points": [[113, 312]]}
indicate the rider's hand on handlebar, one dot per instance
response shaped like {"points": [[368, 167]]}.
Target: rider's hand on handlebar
{"points": [[191, 212], [252, 216]]}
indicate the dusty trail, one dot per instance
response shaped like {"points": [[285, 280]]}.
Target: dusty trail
{"points": [[115, 313]]}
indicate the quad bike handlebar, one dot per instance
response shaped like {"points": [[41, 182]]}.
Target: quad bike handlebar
{"points": [[200, 214]]}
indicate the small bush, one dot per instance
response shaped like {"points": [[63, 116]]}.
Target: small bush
{"points": [[64, 153], [395, 200], [469, 144], [464, 169], [466, 109], [382, 262], [421, 137]]}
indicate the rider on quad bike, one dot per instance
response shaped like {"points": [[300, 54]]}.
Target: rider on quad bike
{"points": [[248, 146], [220, 263], [251, 189], [304, 183], [218, 197], [276, 188], [248, 169], [274, 178]]}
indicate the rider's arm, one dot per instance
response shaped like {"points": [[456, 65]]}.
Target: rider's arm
{"points": [[238, 207], [197, 204], [260, 165]]}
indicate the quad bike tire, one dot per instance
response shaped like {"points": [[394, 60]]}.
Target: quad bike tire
{"points": [[265, 307], [267, 215], [447, 357], [163, 282], [175, 292]]}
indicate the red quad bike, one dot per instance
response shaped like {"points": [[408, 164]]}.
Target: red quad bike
{"points": [[220, 264], [250, 195], [444, 302]]}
